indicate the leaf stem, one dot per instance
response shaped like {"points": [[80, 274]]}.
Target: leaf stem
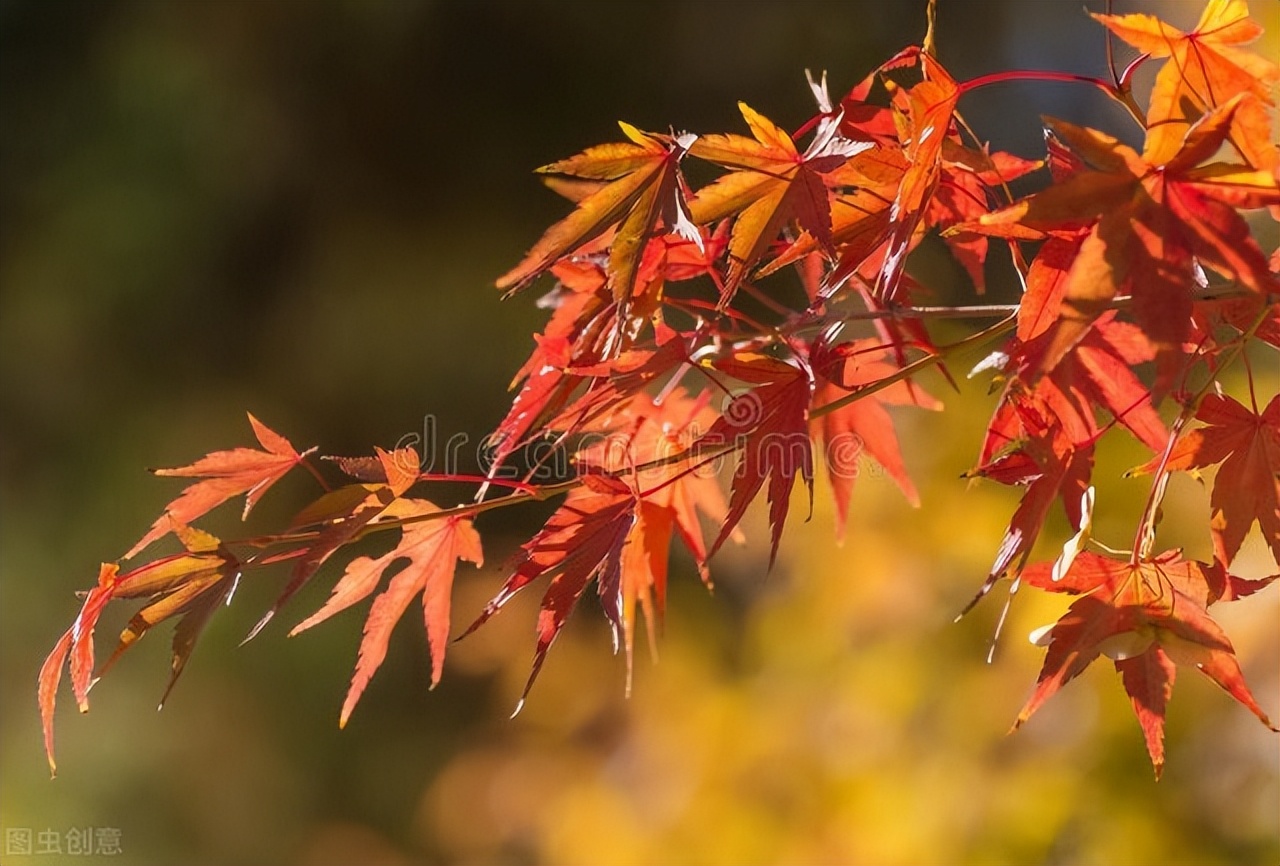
{"points": [[1036, 75], [463, 478], [1111, 53], [984, 311], [525, 492], [1144, 538], [999, 329], [324, 485]]}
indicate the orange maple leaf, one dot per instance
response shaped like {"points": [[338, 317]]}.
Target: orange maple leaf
{"points": [[923, 115], [642, 196], [1247, 487], [771, 182], [432, 549], [1206, 69], [225, 474], [341, 515], [863, 192], [1147, 225], [1145, 616]]}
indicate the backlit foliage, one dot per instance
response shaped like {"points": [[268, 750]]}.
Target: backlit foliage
{"points": [[762, 322]]}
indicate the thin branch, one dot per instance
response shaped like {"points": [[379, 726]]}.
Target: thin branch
{"points": [[1111, 52], [698, 451], [999, 329], [1144, 538], [324, 485], [987, 311], [1036, 75]]}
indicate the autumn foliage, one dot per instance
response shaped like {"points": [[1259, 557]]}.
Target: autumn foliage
{"points": [[765, 320]]}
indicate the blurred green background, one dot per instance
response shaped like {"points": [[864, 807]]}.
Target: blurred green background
{"points": [[298, 209]]}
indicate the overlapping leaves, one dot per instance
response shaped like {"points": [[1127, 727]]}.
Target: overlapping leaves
{"points": [[1147, 616], [1138, 258], [1148, 227]]}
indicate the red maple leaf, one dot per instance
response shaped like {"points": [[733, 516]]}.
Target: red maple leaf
{"points": [[1099, 372], [1145, 616], [430, 550], [77, 642], [1247, 487], [1041, 303], [1042, 435], [964, 192], [1037, 439], [581, 542], [616, 381], [583, 317], [1241, 313], [863, 427], [1147, 226], [647, 440], [769, 425]]}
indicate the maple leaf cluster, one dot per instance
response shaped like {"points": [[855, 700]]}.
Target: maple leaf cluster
{"points": [[767, 319]]}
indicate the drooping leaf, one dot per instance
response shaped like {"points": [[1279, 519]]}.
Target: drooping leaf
{"points": [[581, 542], [47, 692], [1247, 487], [188, 586], [1041, 304], [923, 115], [644, 438], [430, 550], [1144, 616], [1042, 435], [769, 424], [1046, 278], [76, 642], [1040, 439]]}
